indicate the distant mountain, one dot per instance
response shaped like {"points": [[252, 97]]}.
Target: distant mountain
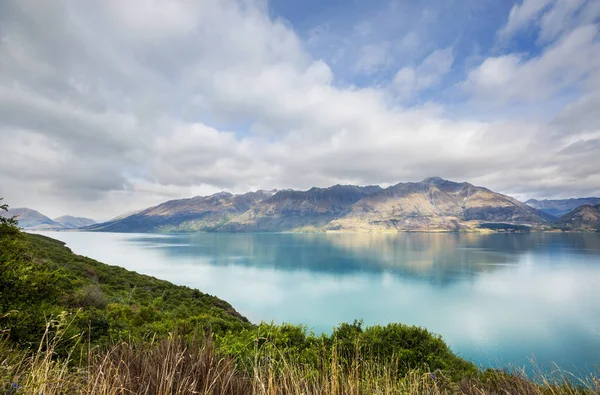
{"points": [[32, 220], [291, 210], [201, 213], [71, 222], [583, 218], [433, 204], [559, 207]]}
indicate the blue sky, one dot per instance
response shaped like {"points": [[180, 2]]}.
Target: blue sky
{"points": [[109, 106], [367, 42]]}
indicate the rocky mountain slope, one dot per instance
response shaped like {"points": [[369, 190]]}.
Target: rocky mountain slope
{"points": [[299, 210], [560, 207], [433, 204], [201, 213], [585, 218]]}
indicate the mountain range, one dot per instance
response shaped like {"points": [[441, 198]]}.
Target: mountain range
{"points": [[34, 220], [433, 204], [560, 207]]}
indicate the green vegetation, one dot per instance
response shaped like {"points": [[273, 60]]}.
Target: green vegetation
{"points": [[504, 227], [41, 278], [75, 325]]}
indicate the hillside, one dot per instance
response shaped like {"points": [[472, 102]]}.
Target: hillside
{"points": [[433, 204], [32, 220], [299, 210], [560, 207], [42, 277], [201, 213], [584, 218], [71, 222]]}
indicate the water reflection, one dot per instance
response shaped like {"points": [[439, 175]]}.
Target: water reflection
{"points": [[441, 258], [496, 298]]}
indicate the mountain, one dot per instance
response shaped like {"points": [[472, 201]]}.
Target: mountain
{"points": [[560, 207], [291, 210], [71, 222], [32, 220], [583, 218], [201, 213], [433, 204]]}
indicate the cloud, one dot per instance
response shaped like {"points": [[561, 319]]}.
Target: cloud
{"points": [[550, 18], [433, 68], [374, 57], [523, 15], [106, 109], [564, 65]]}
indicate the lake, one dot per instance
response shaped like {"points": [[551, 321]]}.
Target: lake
{"points": [[497, 299]]}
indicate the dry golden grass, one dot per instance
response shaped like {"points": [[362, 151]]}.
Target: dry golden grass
{"points": [[174, 365]]}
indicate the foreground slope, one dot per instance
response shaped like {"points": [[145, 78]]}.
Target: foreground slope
{"points": [[42, 278], [560, 207], [583, 218], [435, 204]]}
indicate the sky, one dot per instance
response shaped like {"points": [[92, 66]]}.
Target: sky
{"points": [[109, 106]]}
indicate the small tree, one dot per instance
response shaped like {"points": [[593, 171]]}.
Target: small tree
{"points": [[27, 289], [8, 225]]}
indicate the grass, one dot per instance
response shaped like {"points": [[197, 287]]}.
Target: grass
{"points": [[177, 364]]}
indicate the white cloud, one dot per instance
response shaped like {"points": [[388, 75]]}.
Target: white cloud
{"points": [[559, 18], [566, 64], [374, 57], [101, 113], [524, 15], [433, 68]]}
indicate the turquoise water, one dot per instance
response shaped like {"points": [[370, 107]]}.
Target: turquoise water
{"points": [[497, 299]]}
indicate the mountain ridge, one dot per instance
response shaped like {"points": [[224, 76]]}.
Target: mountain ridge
{"points": [[560, 207], [585, 217], [31, 219], [433, 204], [72, 222]]}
